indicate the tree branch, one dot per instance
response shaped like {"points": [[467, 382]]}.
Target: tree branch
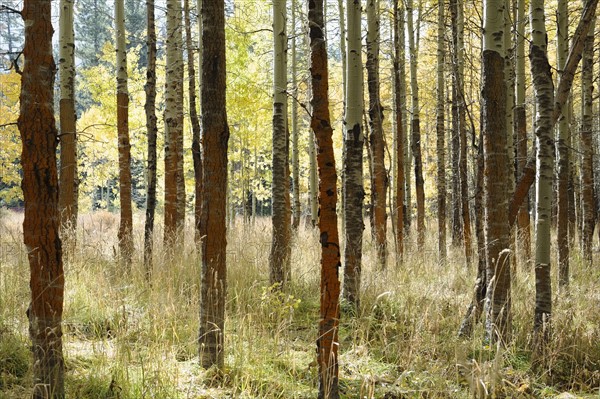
{"points": [[562, 95]]}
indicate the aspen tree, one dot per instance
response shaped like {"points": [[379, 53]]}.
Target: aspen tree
{"points": [[68, 185], [353, 159], [173, 118], [296, 209], [520, 127], [376, 138], [279, 258], [152, 130], [544, 97], [562, 151], [440, 142], [416, 127], [588, 202], [400, 127], [195, 121], [126, 221]]}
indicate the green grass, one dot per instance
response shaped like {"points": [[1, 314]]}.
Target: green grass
{"points": [[126, 339]]}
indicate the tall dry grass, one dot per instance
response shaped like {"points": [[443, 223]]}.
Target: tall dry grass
{"points": [[125, 338]]}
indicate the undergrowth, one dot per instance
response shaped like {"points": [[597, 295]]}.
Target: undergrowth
{"points": [[124, 338]]}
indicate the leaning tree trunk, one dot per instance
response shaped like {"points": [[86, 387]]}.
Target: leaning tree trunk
{"points": [[68, 187], [497, 230], [327, 341], [376, 138], [400, 129], [353, 160], [173, 125], [560, 98], [126, 224], [587, 149], [416, 128], [562, 151], [215, 133], [544, 98], [152, 129], [279, 258], [440, 142], [39, 140], [195, 121]]}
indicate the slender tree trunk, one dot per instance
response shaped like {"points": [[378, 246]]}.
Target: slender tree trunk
{"points": [[279, 259], [476, 306], [497, 230], [441, 132], [561, 96], [400, 130], [544, 96], [520, 119], [296, 211], [126, 224], [327, 342], [214, 190], [416, 129], [353, 160], [406, 139], [196, 155], [587, 150], [377, 145], [562, 151], [39, 140], [152, 129], [462, 131], [68, 187], [173, 126]]}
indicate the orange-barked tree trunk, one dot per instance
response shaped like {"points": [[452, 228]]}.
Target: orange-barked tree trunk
{"points": [[40, 192], [214, 189], [327, 342]]}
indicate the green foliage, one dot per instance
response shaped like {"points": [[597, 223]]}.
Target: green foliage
{"points": [[93, 21]]}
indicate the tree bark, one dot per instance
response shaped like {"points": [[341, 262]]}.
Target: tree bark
{"points": [[152, 129], [441, 133], [400, 129], [279, 258], [416, 129], [195, 121], [588, 201], [39, 140], [126, 223], [214, 190], [173, 117], [353, 160], [376, 138], [68, 185], [562, 151], [327, 342], [296, 209], [544, 97], [495, 176], [520, 118]]}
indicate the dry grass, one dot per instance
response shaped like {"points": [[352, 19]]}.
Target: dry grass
{"points": [[124, 339]]}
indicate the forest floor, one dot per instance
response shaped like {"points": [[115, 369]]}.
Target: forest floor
{"points": [[125, 339]]}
